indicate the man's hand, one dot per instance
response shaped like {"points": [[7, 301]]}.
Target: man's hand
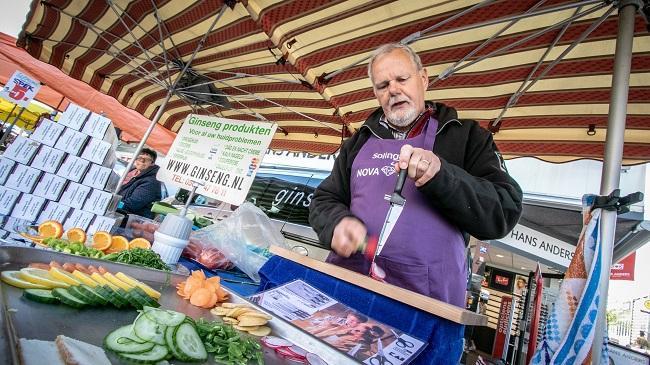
{"points": [[348, 235], [422, 165]]}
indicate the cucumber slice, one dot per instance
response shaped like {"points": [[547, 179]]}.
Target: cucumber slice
{"points": [[157, 353], [169, 341], [114, 298], [135, 300], [151, 302], [124, 340], [189, 344], [40, 295], [90, 292], [148, 330], [121, 294], [108, 295], [77, 293], [68, 299], [164, 317]]}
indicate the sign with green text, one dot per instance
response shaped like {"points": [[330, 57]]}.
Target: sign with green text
{"points": [[222, 154]]}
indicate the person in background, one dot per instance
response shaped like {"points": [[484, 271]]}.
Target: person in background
{"points": [[140, 188], [641, 341], [457, 184]]}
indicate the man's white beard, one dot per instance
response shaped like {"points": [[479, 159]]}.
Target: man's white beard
{"points": [[402, 119]]}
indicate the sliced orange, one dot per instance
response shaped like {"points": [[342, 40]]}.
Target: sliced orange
{"points": [[76, 235], [36, 239], [50, 229], [140, 242], [101, 240], [118, 243]]}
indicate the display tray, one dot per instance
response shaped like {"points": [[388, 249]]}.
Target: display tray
{"points": [[21, 318]]}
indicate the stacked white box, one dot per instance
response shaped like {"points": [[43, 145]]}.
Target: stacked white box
{"points": [[54, 211], [50, 187], [99, 152], [48, 132], [23, 178], [74, 117], [75, 195], [101, 202], [72, 142], [28, 207], [6, 167], [101, 223], [48, 159], [100, 127], [100, 177], [8, 199], [73, 168], [78, 219], [22, 150]]}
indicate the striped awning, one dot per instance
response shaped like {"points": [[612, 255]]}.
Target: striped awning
{"points": [[302, 64]]}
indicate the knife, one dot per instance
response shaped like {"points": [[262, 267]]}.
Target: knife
{"points": [[397, 202]]}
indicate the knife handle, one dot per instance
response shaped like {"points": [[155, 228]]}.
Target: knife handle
{"points": [[400, 181]]}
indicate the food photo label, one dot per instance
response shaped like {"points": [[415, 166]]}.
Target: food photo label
{"points": [[223, 155], [48, 159], [48, 132], [6, 166], [22, 150], [367, 340], [74, 117]]}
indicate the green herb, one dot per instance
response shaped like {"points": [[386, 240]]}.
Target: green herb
{"points": [[228, 346], [138, 256]]}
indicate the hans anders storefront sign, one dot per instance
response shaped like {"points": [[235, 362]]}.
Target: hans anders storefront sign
{"points": [[537, 246]]}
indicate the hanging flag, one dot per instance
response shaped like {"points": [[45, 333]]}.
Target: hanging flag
{"points": [[537, 309], [571, 325]]}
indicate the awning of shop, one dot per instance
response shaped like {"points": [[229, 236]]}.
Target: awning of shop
{"points": [[59, 89], [302, 64]]}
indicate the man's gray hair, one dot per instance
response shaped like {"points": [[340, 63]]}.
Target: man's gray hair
{"points": [[390, 47]]}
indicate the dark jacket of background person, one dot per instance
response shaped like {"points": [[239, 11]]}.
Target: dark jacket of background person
{"points": [[139, 194]]}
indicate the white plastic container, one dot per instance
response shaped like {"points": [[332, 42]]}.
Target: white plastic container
{"points": [[169, 248]]}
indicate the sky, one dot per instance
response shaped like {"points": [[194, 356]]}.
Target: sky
{"points": [[13, 17]]}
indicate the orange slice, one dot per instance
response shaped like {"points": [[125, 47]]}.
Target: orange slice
{"points": [[101, 240], [140, 242], [76, 235], [118, 243], [50, 229], [36, 239]]}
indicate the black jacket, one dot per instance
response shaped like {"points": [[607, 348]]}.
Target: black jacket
{"points": [[139, 194], [472, 189]]}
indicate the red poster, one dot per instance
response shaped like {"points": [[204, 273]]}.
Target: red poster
{"points": [[500, 347], [624, 270]]}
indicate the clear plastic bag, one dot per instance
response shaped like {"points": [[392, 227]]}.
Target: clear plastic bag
{"points": [[244, 238]]}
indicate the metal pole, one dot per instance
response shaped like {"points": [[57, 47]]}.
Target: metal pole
{"points": [[11, 126], [613, 158], [153, 123]]}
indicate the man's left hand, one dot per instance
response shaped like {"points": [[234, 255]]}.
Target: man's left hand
{"points": [[422, 165]]}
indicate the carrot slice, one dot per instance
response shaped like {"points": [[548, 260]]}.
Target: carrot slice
{"points": [[81, 268], [55, 264], [214, 298], [102, 270], [222, 294], [211, 286], [92, 269], [198, 274], [200, 297], [38, 265], [68, 267], [214, 280]]}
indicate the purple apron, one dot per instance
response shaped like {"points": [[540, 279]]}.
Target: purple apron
{"points": [[424, 253]]}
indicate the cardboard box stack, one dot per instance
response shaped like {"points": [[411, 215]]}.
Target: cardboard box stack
{"points": [[63, 171]]}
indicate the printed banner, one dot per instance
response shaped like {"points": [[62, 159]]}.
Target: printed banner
{"points": [[20, 89], [502, 339], [222, 154]]}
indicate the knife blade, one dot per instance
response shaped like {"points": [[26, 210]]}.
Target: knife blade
{"points": [[397, 202]]}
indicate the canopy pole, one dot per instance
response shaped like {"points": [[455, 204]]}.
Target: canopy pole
{"points": [[613, 158], [163, 105]]}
